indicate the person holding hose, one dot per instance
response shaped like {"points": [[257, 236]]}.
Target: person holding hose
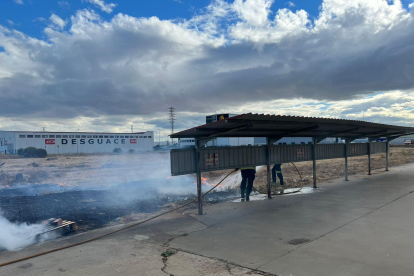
{"points": [[277, 170], [248, 175]]}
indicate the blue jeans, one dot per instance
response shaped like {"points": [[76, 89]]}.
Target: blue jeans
{"points": [[277, 170]]}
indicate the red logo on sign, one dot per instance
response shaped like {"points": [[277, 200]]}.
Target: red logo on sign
{"points": [[132, 141], [49, 141]]}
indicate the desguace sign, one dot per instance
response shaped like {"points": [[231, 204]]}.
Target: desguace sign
{"points": [[91, 141]]}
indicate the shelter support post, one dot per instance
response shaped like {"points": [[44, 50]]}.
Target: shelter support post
{"points": [[198, 172], [346, 159], [269, 190], [369, 157], [387, 151], [314, 162]]}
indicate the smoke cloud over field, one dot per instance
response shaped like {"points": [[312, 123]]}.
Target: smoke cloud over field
{"points": [[94, 190]]}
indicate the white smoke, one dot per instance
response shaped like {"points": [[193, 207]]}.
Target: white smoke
{"points": [[14, 236], [146, 170]]}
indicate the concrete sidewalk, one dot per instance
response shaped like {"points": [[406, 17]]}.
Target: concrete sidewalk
{"points": [[361, 227]]}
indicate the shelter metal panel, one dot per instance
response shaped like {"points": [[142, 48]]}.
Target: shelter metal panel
{"points": [[290, 153], [222, 158], [378, 147], [182, 161], [357, 149], [330, 151]]}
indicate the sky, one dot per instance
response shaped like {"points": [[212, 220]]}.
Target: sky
{"points": [[104, 65]]}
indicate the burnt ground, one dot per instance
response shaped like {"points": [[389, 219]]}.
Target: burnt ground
{"points": [[92, 209]]}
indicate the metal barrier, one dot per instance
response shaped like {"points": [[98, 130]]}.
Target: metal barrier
{"points": [[182, 161], [290, 153], [378, 147], [220, 158], [330, 151]]}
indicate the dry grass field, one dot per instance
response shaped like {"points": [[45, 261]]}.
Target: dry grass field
{"points": [[84, 170], [328, 169]]}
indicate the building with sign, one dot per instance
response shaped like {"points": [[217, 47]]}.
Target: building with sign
{"points": [[76, 142]]}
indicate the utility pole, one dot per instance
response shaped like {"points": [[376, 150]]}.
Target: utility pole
{"points": [[132, 128], [171, 119]]}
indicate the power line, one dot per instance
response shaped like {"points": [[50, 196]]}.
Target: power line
{"points": [[171, 119]]}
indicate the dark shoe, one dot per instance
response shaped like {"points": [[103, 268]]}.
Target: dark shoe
{"points": [[242, 199], [247, 198]]}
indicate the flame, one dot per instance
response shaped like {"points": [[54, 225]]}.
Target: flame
{"points": [[204, 180], [61, 184]]}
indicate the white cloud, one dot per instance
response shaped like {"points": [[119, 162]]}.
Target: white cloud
{"points": [[253, 12], [230, 57], [108, 8], [20, 2], [40, 19], [11, 23], [290, 4], [57, 22], [64, 5]]}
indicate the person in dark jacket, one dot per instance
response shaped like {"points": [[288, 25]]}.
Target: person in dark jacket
{"points": [[248, 175]]}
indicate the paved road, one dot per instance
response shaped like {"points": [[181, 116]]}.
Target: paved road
{"points": [[361, 227]]}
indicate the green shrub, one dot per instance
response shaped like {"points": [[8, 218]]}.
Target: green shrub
{"points": [[32, 152], [41, 153]]}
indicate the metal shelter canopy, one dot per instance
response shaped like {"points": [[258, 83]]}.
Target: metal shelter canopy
{"points": [[275, 127], [279, 126]]}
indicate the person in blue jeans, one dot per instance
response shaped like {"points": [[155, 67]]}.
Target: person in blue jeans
{"points": [[277, 170]]}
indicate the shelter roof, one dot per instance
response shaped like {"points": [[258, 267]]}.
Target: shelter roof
{"points": [[71, 132], [278, 126]]}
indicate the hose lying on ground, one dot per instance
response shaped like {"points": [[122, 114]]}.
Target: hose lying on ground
{"points": [[113, 232], [294, 192]]}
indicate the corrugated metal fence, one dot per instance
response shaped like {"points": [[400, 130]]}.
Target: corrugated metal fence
{"points": [[221, 158], [330, 151], [378, 147]]}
